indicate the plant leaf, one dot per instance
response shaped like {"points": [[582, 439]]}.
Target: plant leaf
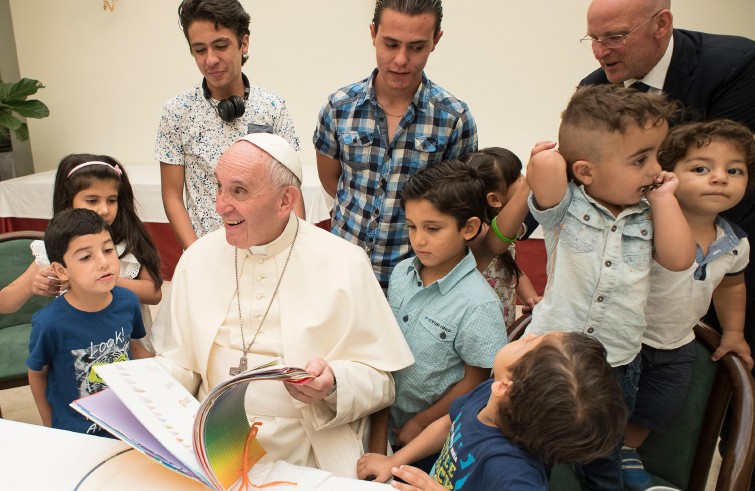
{"points": [[9, 121], [4, 90], [22, 89], [30, 109], [22, 133]]}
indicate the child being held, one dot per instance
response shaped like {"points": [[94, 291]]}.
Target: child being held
{"points": [[553, 398], [713, 162], [599, 234], [451, 318], [506, 200], [93, 323]]}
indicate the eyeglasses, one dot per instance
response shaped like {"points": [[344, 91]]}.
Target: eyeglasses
{"points": [[617, 40]]}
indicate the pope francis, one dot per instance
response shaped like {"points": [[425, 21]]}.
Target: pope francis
{"points": [[269, 286]]}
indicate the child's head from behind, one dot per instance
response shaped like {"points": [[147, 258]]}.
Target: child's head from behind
{"points": [[713, 161], [80, 247], [444, 206], [499, 168], [609, 137], [559, 397]]}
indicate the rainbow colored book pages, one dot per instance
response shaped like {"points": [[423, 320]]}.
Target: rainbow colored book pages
{"points": [[151, 411]]}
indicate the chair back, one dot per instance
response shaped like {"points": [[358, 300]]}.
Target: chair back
{"points": [[15, 258], [15, 328]]}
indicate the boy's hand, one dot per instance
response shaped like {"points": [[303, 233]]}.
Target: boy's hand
{"points": [[542, 145], [408, 431], [734, 342], [374, 467], [664, 185], [530, 303], [416, 480]]}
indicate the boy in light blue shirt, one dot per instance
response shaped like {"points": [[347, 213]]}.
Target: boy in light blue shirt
{"points": [[451, 317], [603, 228]]}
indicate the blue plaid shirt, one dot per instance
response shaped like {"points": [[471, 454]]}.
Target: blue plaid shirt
{"points": [[352, 128]]}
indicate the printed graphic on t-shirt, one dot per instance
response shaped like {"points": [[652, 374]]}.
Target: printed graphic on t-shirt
{"points": [[113, 350], [453, 466]]}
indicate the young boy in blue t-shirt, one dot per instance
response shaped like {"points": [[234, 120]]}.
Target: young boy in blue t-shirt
{"points": [[93, 323], [553, 399], [603, 228], [451, 317]]}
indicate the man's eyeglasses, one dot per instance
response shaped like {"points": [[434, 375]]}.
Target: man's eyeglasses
{"points": [[617, 40]]}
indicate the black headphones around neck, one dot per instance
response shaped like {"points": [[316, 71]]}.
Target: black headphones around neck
{"points": [[231, 108]]}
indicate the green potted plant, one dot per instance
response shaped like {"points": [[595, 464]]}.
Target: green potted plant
{"points": [[13, 99]]}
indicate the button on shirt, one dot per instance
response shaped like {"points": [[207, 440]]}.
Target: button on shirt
{"points": [[352, 128], [454, 321], [598, 272]]}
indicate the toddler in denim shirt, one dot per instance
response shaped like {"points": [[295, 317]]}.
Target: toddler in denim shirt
{"points": [[607, 209]]}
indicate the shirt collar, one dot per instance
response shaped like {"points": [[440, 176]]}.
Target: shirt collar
{"points": [[281, 243], [420, 99], [657, 76], [445, 284], [726, 241]]}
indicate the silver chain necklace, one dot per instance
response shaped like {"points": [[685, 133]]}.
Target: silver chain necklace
{"points": [[242, 361]]}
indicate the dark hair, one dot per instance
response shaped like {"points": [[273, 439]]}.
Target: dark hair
{"points": [[497, 165], [453, 187], [127, 228], [564, 404], [607, 108], [681, 139], [66, 226], [409, 7], [222, 13]]}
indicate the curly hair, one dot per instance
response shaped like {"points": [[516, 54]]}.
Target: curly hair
{"points": [[564, 404], [684, 137]]}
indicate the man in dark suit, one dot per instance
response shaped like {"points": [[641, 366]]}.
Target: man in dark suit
{"points": [[712, 75]]}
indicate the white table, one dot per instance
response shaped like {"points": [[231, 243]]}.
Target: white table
{"points": [[39, 458], [31, 196]]}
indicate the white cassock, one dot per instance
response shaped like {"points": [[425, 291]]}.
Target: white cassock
{"points": [[329, 304]]}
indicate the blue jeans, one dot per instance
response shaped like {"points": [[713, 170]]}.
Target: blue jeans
{"points": [[604, 473]]}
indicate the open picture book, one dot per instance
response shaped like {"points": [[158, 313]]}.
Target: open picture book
{"points": [[212, 441]]}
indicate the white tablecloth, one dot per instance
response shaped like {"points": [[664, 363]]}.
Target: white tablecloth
{"points": [[39, 458], [31, 196]]}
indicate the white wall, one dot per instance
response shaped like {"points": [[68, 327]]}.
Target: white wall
{"points": [[108, 74]]}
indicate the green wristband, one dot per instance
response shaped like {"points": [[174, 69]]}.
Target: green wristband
{"points": [[498, 233]]}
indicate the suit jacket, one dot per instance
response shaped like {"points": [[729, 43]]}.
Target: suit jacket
{"points": [[710, 73]]}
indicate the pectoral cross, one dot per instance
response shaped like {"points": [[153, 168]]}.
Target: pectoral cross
{"points": [[237, 370]]}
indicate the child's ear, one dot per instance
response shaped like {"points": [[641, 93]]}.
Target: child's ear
{"points": [[500, 388], [60, 271], [493, 200], [583, 171], [471, 228]]}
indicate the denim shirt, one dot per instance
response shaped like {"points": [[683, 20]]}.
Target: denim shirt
{"points": [[598, 272]]}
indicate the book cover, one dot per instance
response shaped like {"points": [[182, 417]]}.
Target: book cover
{"points": [[212, 441]]}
